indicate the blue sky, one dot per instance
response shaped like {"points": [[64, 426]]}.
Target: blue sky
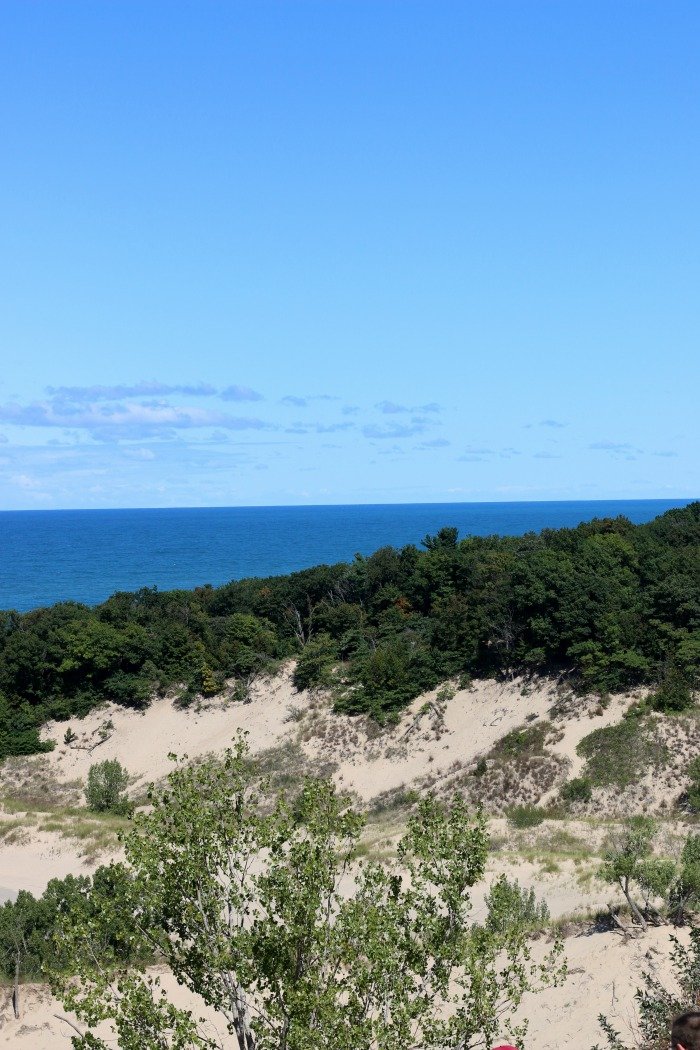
{"points": [[363, 251]]}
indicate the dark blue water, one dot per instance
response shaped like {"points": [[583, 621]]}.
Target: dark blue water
{"points": [[86, 555]]}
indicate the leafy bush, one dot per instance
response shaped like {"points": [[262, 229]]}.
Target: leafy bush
{"points": [[620, 754], [576, 790], [684, 897], [315, 662], [28, 948], [523, 742], [107, 781], [525, 816], [674, 693], [511, 907]]}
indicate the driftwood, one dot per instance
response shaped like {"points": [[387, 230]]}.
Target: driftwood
{"points": [[75, 1028], [91, 747], [428, 706], [627, 931]]}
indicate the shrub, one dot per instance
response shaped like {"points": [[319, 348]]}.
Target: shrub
{"points": [[693, 772], [525, 816], [684, 898], [510, 907], [621, 754], [106, 784], [674, 693], [577, 790], [315, 663], [529, 740]]}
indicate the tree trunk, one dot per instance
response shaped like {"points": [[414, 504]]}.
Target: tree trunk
{"points": [[636, 913], [15, 990], [244, 1033]]}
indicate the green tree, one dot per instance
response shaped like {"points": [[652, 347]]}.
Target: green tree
{"points": [[627, 861], [512, 907], [107, 781], [20, 947], [264, 913], [314, 666], [684, 897], [674, 692]]}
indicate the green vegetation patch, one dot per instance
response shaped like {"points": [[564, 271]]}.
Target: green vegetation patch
{"points": [[524, 742], [579, 789], [619, 755], [525, 816]]}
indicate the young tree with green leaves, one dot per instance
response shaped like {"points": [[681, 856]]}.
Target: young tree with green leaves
{"points": [[628, 860], [17, 926], [106, 783], [684, 897], [268, 915]]}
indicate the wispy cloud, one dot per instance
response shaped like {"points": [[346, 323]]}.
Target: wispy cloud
{"points": [[126, 390], [332, 428], [239, 393], [395, 430], [611, 446], [144, 454], [303, 402], [554, 424], [433, 443], [391, 408], [114, 421], [149, 388]]}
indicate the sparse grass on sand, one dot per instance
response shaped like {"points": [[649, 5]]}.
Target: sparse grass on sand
{"points": [[34, 800]]}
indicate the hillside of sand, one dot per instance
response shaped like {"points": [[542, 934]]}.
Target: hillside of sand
{"points": [[502, 744]]}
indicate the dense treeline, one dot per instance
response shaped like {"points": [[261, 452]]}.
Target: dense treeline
{"points": [[609, 603]]}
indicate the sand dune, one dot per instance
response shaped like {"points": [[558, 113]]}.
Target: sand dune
{"points": [[435, 745]]}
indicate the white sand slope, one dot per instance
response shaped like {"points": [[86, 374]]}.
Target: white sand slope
{"points": [[143, 740], [436, 744]]}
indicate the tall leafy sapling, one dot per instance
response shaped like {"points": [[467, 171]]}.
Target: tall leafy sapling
{"points": [[264, 912]]}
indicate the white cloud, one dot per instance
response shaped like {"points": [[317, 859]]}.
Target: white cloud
{"points": [[112, 422]]}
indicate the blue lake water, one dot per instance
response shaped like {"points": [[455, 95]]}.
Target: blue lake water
{"points": [[86, 555]]}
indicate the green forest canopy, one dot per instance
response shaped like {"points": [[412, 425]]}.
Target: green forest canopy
{"points": [[609, 603]]}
